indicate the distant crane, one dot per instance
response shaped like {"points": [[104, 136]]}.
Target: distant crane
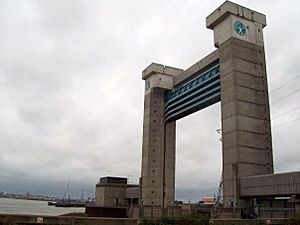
{"points": [[67, 193], [81, 197]]}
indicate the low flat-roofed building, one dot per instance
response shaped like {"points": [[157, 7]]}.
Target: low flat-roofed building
{"points": [[207, 202], [114, 191]]}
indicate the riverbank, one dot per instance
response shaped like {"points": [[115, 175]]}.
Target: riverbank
{"points": [[8, 219]]}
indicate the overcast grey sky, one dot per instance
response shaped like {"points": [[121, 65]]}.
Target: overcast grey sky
{"points": [[71, 91]]}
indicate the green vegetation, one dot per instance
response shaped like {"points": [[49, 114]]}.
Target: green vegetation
{"points": [[240, 222], [191, 219]]}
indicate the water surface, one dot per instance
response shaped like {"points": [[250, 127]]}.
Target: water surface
{"points": [[33, 207]]}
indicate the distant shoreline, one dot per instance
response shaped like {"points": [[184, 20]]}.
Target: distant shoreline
{"points": [[35, 198]]}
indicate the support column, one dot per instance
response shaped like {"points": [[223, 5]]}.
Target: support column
{"points": [[170, 160], [246, 128], [158, 150]]}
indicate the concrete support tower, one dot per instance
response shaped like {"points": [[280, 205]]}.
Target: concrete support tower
{"points": [[158, 150], [246, 129], [235, 74]]}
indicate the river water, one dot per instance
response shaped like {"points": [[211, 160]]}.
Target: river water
{"points": [[32, 207]]}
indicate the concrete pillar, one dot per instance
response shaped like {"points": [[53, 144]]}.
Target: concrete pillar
{"points": [[296, 201], [170, 160], [158, 150], [246, 128], [297, 207]]}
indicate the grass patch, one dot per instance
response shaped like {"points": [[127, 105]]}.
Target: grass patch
{"points": [[191, 219]]}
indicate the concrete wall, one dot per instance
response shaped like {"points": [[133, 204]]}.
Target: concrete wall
{"points": [[150, 211], [110, 194], [280, 185], [99, 196], [246, 128], [62, 220]]}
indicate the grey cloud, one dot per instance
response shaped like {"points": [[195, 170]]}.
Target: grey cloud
{"points": [[72, 96]]}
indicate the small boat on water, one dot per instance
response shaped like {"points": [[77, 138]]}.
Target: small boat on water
{"points": [[68, 202], [51, 203], [71, 203]]}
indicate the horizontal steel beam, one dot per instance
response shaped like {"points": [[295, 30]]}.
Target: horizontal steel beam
{"points": [[200, 92]]}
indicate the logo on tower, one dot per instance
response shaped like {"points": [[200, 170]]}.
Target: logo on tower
{"points": [[240, 28]]}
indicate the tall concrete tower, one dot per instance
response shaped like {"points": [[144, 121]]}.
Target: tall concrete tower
{"points": [[246, 129], [158, 150]]}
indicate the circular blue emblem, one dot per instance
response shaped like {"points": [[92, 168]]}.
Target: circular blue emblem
{"points": [[240, 28], [147, 85]]}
